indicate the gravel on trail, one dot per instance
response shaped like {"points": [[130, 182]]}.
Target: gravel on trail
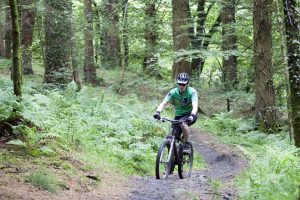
{"points": [[223, 163]]}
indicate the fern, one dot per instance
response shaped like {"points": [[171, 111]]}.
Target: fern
{"points": [[17, 142]]}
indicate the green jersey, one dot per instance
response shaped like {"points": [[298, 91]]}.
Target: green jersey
{"points": [[182, 101]]}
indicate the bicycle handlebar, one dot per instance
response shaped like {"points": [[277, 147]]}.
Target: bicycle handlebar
{"points": [[173, 121]]}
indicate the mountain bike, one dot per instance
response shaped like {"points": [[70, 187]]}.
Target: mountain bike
{"points": [[170, 153]]}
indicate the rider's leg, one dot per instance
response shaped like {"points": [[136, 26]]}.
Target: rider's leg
{"points": [[186, 131]]}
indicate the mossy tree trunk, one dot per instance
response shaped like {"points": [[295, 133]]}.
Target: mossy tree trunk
{"points": [[181, 40], [264, 95], [292, 16], [16, 66]]}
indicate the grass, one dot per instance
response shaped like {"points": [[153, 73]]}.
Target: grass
{"points": [[44, 180]]}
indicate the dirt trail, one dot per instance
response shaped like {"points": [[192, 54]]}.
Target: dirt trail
{"points": [[223, 164]]}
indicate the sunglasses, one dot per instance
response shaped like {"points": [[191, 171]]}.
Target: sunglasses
{"points": [[181, 84]]}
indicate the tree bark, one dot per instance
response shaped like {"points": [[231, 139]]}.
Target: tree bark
{"points": [[181, 40], [229, 45], [16, 66], [27, 23], [125, 33], [89, 64], [74, 54], [151, 36], [292, 17], [111, 43], [57, 52], [264, 95]]}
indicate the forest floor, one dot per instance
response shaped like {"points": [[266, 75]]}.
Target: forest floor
{"points": [[223, 163]]}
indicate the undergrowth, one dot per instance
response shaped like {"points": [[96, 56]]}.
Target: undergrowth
{"points": [[274, 164], [118, 129]]}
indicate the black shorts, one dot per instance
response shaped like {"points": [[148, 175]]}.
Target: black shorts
{"points": [[176, 129]]}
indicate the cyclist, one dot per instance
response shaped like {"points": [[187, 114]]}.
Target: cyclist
{"points": [[185, 100]]}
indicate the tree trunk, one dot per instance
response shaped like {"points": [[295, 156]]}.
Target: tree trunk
{"points": [[89, 64], [229, 45], [98, 36], [112, 48], [27, 20], [8, 34], [2, 30], [283, 48], [292, 17], [181, 40], [74, 54], [265, 96], [16, 66], [125, 33], [200, 39], [151, 36], [57, 52]]}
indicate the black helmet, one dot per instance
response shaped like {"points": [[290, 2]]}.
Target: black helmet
{"points": [[182, 78]]}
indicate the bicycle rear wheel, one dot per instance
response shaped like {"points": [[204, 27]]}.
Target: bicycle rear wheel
{"points": [[163, 164], [185, 167]]}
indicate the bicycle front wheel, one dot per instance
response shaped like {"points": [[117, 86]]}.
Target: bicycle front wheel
{"points": [[186, 164], [163, 164]]}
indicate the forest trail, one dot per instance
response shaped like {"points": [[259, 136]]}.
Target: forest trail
{"points": [[224, 162]]}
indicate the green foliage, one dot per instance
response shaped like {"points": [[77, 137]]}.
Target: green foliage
{"points": [[273, 175], [274, 163], [7, 100], [44, 181]]}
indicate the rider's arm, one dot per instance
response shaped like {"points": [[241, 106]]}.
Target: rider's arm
{"points": [[195, 107], [162, 106], [194, 102]]}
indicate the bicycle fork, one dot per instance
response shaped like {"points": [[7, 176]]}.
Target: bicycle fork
{"points": [[173, 152]]}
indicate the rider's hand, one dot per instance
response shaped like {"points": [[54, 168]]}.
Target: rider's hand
{"points": [[157, 115], [190, 118]]}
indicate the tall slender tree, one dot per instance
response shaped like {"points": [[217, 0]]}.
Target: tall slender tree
{"points": [[16, 66], [89, 63], [27, 25], [2, 29], [125, 33], [74, 53], [264, 91], [151, 36], [229, 45], [57, 52], [181, 40], [200, 34], [292, 26]]}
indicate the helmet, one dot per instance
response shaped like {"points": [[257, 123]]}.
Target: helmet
{"points": [[182, 78]]}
